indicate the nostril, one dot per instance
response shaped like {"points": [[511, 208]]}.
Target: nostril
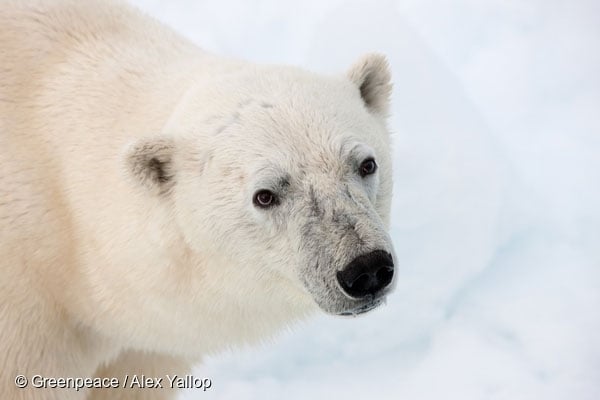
{"points": [[384, 275], [362, 283]]}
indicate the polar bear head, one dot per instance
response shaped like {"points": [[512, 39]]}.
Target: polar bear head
{"points": [[282, 180]]}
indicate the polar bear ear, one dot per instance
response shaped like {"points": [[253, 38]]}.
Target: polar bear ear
{"points": [[371, 74], [150, 162]]}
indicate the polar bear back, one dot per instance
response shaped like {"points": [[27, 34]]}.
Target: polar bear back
{"points": [[78, 81]]}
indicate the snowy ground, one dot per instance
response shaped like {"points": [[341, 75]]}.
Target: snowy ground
{"points": [[495, 217]]}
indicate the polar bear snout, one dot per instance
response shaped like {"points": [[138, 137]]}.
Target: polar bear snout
{"points": [[367, 275]]}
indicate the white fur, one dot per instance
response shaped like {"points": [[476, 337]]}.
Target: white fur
{"points": [[103, 268]]}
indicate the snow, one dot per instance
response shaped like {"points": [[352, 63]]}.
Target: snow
{"points": [[496, 120]]}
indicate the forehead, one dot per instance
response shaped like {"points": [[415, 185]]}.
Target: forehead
{"points": [[289, 118], [295, 134], [303, 118]]}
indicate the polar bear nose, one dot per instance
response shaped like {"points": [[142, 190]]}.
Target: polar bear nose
{"points": [[367, 274]]}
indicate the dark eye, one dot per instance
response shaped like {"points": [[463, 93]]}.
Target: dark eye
{"points": [[264, 199], [367, 167]]}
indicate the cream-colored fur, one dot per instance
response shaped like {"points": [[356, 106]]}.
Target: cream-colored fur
{"points": [[127, 155]]}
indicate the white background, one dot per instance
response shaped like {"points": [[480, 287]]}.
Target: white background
{"points": [[496, 121]]}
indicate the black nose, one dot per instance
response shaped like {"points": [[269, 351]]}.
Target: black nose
{"points": [[367, 274]]}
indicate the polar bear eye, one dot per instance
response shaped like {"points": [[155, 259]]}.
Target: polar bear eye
{"points": [[264, 198], [367, 167]]}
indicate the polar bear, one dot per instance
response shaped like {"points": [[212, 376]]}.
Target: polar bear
{"points": [[159, 203]]}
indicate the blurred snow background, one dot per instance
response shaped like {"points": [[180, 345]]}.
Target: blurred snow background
{"points": [[496, 120]]}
